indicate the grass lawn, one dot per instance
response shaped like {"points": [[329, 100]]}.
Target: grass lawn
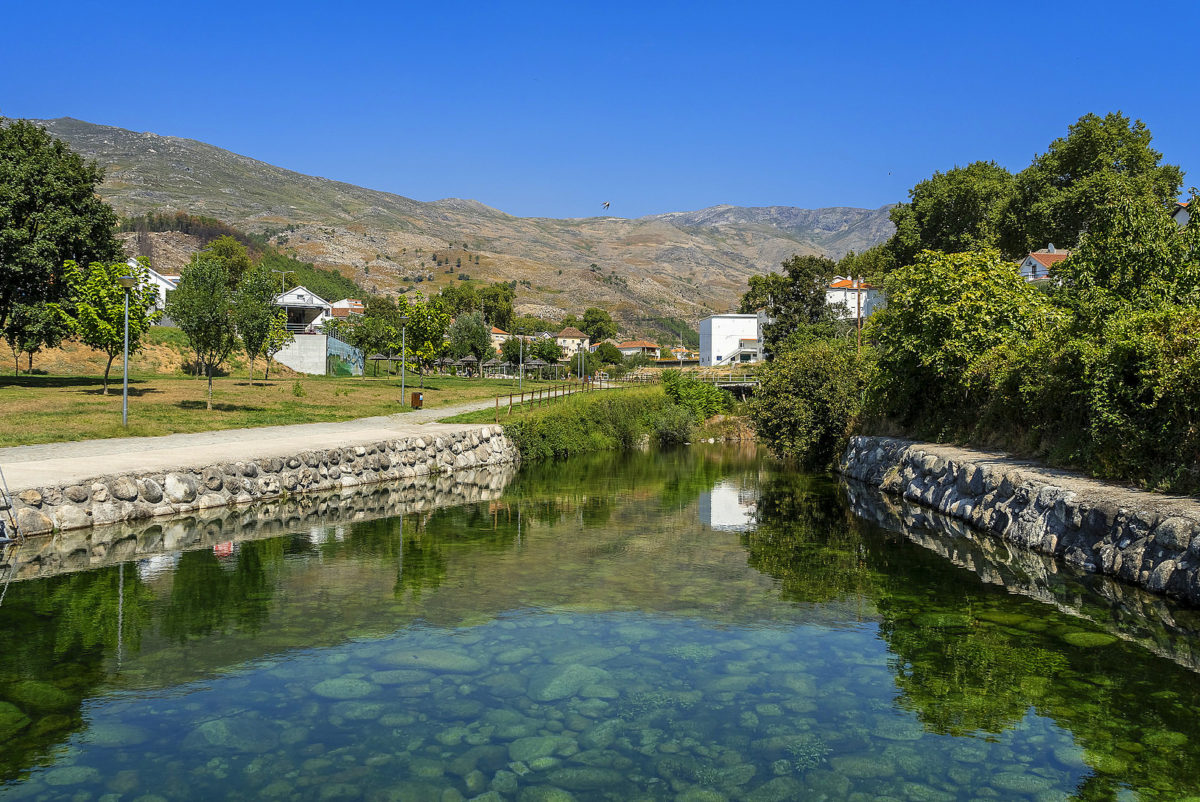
{"points": [[46, 409]]}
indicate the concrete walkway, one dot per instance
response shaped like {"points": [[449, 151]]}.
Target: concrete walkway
{"points": [[70, 463]]}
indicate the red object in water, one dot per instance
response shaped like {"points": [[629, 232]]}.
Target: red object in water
{"points": [[223, 549]]}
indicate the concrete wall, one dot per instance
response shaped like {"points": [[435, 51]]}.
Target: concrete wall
{"points": [[1143, 538], [720, 336], [305, 354]]}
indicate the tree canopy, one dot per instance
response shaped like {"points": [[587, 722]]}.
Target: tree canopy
{"points": [[468, 335], [49, 214], [597, 324], [201, 306], [99, 303]]}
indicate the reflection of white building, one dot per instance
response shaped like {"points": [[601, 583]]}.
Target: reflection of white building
{"points": [[157, 565], [728, 507]]}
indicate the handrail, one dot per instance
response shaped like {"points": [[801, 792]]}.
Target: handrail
{"points": [[539, 396]]}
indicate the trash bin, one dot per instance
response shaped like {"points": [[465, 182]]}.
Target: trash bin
{"points": [[417, 400]]}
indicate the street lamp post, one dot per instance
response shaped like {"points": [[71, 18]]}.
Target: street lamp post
{"points": [[521, 360], [403, 353], [283, 274], [127, 283]]}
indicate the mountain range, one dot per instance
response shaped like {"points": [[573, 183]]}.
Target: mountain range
{"points": [[682, 265]]}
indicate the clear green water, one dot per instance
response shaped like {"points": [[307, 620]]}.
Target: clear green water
{"points": [[588, 636]]}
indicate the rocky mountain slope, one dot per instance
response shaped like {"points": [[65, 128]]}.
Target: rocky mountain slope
{"points": [[682, 264]]}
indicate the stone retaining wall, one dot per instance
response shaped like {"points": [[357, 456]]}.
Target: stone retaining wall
{"points": [[85, 549], [113, 499], [1163, 626], [1146, 539]]}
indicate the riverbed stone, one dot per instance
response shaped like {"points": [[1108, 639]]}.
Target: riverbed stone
{"points": [[344, 688], [559, 682], [12, 720], [435, 659]]}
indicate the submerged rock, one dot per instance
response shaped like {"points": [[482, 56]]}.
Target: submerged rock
{"points": [[12, 720], [238, 734], [114, 734], [559, 682], [32, 694], [434, 659], [344, 688]]}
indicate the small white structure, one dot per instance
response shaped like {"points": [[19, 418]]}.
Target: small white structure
{"points": [[571, 340], [1036, 265], [306, 310], [728, 339], [163, 285], [852, 298], [347, 307], [1180, 214]]}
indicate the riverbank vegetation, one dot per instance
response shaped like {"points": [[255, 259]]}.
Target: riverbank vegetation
{"points": [[670, 413], [1097, 368]]}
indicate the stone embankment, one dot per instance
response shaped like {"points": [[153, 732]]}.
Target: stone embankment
{"points": [[85, 549], [114, 499], [1143, 538], [1166, 627]]}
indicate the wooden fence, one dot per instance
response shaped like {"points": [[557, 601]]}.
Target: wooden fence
{"points": [[541, 396]]}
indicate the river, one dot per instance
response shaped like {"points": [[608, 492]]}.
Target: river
{"points": [[697, 625]]}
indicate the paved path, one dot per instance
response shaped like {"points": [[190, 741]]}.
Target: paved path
{"points": [[68, 463]]}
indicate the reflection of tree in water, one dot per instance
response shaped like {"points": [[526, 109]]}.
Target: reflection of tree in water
{"points": [[205, 595], [969, 658], [805, 540], [59, 639]]}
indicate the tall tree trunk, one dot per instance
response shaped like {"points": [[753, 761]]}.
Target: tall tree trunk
{"points": [[267, 372], [31, 363], [208, 370], [251, 371], [107, 368], [16, 363]]}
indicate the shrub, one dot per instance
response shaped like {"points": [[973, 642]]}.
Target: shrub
{"points": [[674, 425], [809, 399], [588, 422], [701, 399]]}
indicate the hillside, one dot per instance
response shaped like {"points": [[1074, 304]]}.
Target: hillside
{"points": [[683, 264]]}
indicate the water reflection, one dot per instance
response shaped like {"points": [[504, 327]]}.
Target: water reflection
{"points": [[698, 625]]}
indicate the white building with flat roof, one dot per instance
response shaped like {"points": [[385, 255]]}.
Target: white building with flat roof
{"points": [[729, 339]]}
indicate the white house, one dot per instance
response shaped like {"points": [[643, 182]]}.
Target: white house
{"points": [[347, 307], [635, 347], [726, 339], [163, 284], [306, 310], [1036, 265], [852, 298], [571, 340], [1180, 214]]}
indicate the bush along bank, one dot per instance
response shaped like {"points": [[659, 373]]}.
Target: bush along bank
{"points": [[617, 419]]}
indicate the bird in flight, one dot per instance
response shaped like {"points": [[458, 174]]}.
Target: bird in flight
{"points": [[606, 204]]}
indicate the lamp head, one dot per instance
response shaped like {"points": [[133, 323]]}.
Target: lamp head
{"points": [[403, 318], [127, 282]]}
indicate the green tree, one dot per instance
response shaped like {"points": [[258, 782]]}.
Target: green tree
{"points": [[943, 313], [32, 327], [1057, 195], [496, 300], [233, 256], [546, 350], [569, 321], [49, 214], [278, 337], [958, 210], [459, 298], [802, 303], [201, 305], [99, 305], [1133, 256], [809, 399], [428, 323], [468, 335], [762, 292], [254, 312], [598, 324], [511, 350], [608, 354]]}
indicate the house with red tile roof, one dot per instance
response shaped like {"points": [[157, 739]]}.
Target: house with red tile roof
{"points": [[571, 340], [498, 337], [635, 347], [1037, 264], [851, 297], [1180, 214]]}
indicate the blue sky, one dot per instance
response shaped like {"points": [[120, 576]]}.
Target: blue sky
{"points": [[548, 109]]}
